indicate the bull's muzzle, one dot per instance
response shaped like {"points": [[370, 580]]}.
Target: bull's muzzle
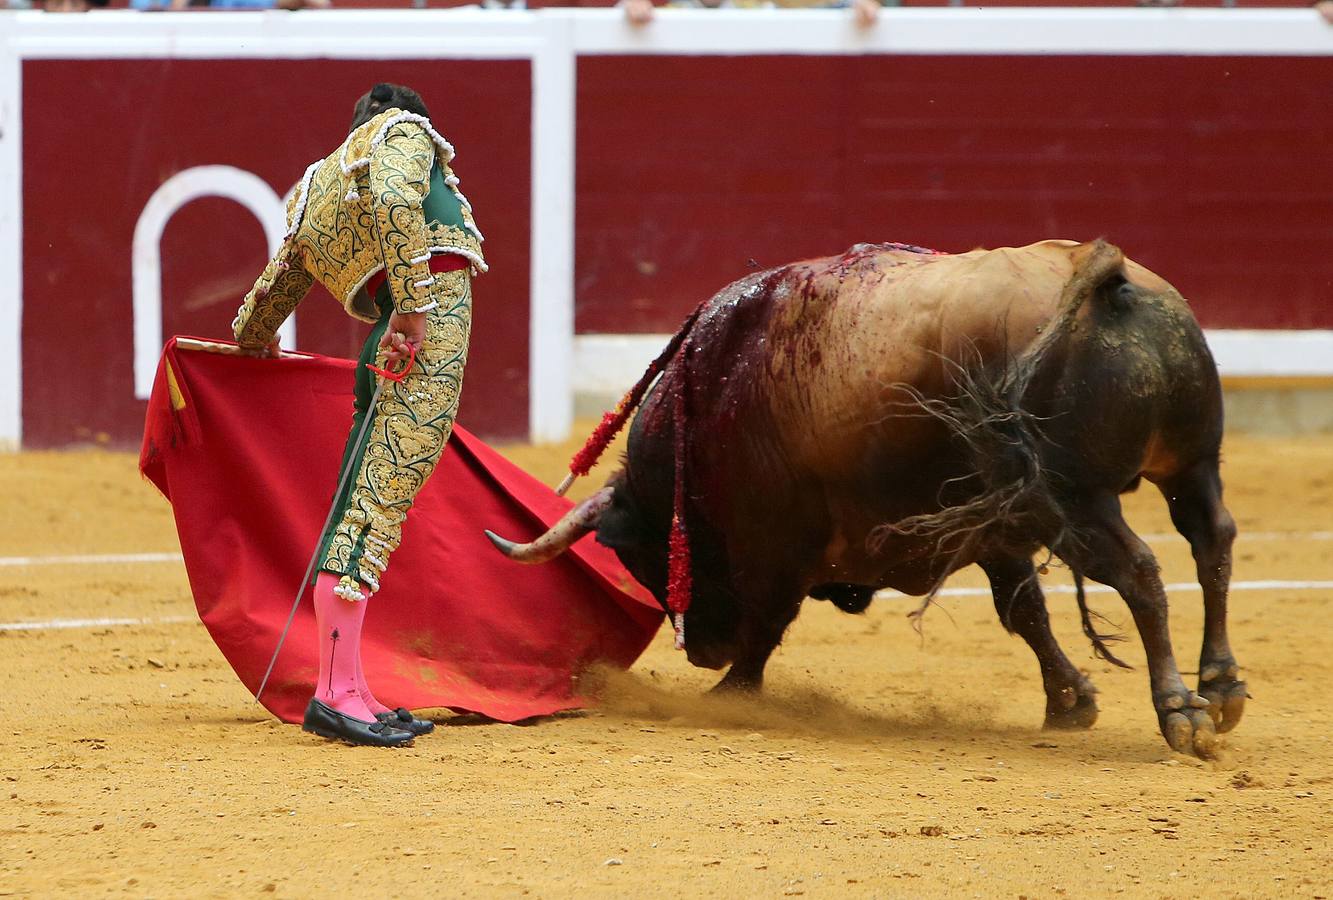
{"points": [[573, 525]]}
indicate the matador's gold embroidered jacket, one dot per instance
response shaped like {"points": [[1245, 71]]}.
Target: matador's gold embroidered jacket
{"points": [[358, 211]]}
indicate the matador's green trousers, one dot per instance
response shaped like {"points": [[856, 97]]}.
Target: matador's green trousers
{"points": [[408, 430]]}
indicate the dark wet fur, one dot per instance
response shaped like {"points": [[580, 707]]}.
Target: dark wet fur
{"points": [[850, 598]]}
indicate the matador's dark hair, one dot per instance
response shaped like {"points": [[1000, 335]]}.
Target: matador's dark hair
{"points": [[387, 96]]}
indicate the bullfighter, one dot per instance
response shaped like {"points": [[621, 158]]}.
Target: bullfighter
{"points": [[382, 224]]}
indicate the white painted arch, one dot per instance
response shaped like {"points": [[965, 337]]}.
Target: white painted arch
{"points": [[243, 187]]}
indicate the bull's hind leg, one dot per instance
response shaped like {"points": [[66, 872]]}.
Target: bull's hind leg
{"points": [[1195, 499], [1070, 697], [1106, 550]]}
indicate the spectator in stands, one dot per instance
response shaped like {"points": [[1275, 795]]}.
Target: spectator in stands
{"points": [[59, 5], [230, 4], [640, 12]]}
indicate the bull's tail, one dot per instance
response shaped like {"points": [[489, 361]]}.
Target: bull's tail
{"points": [[1095, 265], [1009, 497], [1099, 641]]}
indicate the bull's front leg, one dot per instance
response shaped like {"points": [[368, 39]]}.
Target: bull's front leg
{"points": [[758, 635], [1070, 696], [1106, 550]]}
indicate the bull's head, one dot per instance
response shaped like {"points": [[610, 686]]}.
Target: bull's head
{"points": [[640, 542]]}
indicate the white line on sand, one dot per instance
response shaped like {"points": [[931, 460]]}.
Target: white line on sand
{"points": [[91, 623], [1174, 586], [886, 595], [90, 559], [105, 559], [1244, 537], [122, 558]]}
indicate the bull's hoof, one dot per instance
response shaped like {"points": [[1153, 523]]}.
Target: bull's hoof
{"points": [[733, 683], [1083, 714], [1072, 707], [1220, 685], [1186, 724]]}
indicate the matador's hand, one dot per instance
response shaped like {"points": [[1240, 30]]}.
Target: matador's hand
{"points": [[405, 330], [271, 351]]}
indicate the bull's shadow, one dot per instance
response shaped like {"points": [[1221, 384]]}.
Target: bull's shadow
{"points": [[807, 711], [791, 709]]}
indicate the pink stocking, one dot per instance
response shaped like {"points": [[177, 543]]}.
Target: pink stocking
{"points": [[363, 689], [338, 625]]}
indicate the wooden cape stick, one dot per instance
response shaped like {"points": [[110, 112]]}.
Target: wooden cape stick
{"points": [[227, 349]]}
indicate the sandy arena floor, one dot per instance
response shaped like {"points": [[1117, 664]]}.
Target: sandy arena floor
{"points": [[132, 762]]}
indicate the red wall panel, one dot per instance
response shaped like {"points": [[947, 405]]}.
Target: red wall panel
{"points": [[100, 136], [1210, 170], [1207, 169]]}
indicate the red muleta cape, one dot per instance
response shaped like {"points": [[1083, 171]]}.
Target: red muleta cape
{"points": [[247, 451]]}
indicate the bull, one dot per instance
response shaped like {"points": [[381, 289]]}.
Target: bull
{"points": [[883, 418]]}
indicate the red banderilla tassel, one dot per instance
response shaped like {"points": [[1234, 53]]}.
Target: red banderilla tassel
{"points": [[680, 583], [613, 421], [602, 435]]}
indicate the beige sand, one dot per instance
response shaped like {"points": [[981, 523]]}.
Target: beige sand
{"points": [[878, 763]]}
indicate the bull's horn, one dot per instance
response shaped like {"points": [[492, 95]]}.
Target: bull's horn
{"points": [[573, 525]]}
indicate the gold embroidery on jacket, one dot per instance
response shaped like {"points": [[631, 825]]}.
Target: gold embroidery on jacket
{"points": [[275, 294], [411, 424], [343, 227], [452, 239]]}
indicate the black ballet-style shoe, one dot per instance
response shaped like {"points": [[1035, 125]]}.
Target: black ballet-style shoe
{"points": [[325, 721], [403, 720]]}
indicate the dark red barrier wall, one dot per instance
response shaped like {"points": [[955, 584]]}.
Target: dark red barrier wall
{"points": [[101, 136], [1212, 171]]}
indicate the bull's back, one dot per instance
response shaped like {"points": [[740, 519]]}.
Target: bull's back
{"points": [[852, 335]]}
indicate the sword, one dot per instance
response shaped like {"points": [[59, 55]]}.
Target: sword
{"points": [[385, 376]]}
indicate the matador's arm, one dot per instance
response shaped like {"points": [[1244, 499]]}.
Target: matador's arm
{"points": [[399, 182], [278, 289]]}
